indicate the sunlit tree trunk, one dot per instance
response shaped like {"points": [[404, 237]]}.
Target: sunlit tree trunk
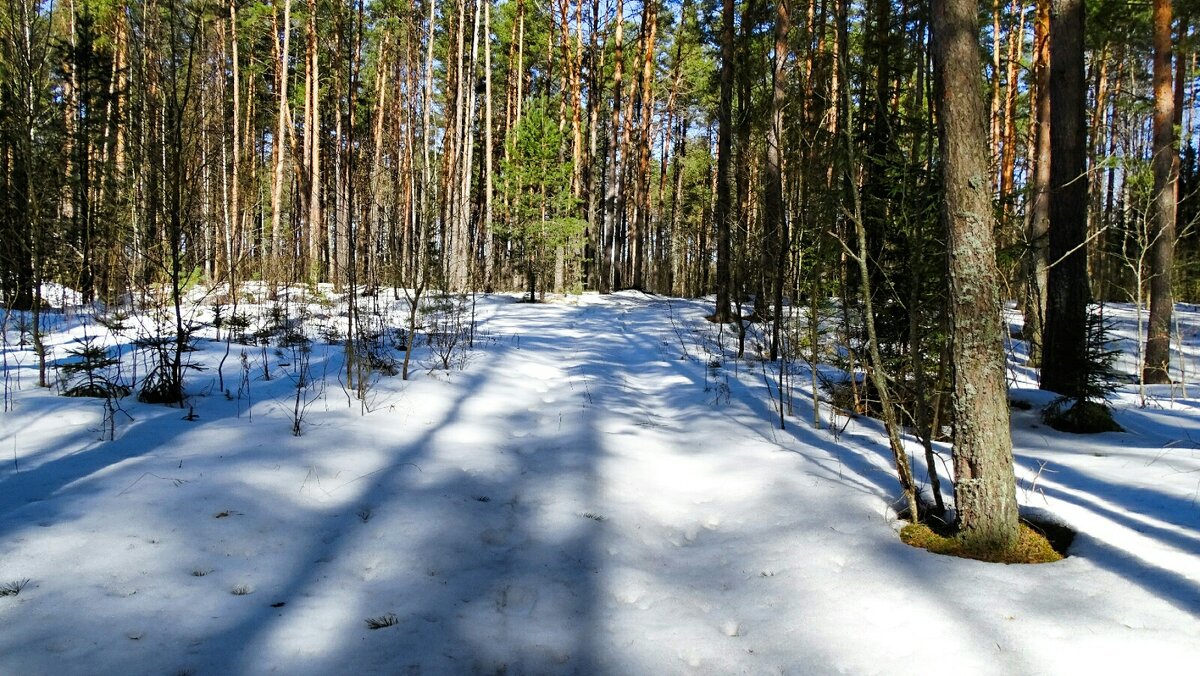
{"points": [[609, 269], [985, 489], [277, 141], [1162, 230]]}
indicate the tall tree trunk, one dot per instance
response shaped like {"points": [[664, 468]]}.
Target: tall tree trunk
{"points": [[312, 130], [425, 214], [1037, 264], [1162, 227], [463, 263], [1064, 364], [776, 223], [1100, 90], [985, 489], [277, 143], [1008, 155], [488, 147], [722, 214], [234, 245], [745, 280], [640, 234], [593, 234], [612, 197]]}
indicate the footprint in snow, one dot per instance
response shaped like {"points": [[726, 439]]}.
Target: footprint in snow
{"points": [[516, 600], [684, 538]]}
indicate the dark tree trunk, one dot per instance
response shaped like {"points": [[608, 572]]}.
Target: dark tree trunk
{"points": [[985, 490], [724, 150], [1162, 225], [776, 225], [1064, 349], [1039, 217]]}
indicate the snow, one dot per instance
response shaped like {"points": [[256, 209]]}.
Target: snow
{"points": [[587, 495]]}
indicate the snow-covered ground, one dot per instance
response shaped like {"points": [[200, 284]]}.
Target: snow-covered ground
{"points": [[588, 494]]}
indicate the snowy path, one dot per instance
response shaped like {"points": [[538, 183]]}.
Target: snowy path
{"points": [[579, 499]]}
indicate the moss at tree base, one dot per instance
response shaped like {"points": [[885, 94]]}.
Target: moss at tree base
{"points": [[1032, 546]]}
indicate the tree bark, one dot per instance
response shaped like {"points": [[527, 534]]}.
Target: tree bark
{"points": [[1064, 358], [488, 147], [1162, 227], [1008, 156], [776, 224], [985, 489], [721, 313], [1039, 210], [277, 144], [312, 127], [612, 197], [640, 232]]}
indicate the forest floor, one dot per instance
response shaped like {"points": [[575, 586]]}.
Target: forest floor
{"points": [[595, 487]]}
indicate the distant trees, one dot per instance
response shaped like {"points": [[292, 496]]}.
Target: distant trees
{"points": [[703, 144], [32, 164], [542, 216]]}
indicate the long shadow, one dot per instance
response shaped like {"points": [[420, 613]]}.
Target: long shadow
{"points": [[864, 462], [468, 570], [1167, 585], [1088, 492], [137, 439], [475, 576], [1172, 587]]}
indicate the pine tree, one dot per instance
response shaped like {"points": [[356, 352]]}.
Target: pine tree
{"points": [[1067, 293], [985, 489], [1162, 232]]}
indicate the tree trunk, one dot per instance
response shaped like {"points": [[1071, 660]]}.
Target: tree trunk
{"points": [[612, 197], [593, 234], [277, 144], [1039, 210], [1008, 156], [312, 127], [1162, 227], [776, 224], [488, 147], [1064, 357], [640, 235], [722, 214], [985, 490]]}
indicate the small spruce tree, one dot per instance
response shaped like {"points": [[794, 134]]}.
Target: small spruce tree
{"points": [[88, 374], [1086, 411]]}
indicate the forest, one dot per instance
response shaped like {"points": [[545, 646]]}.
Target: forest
{"points": [[598, 326], [817, 158], [680, 148]]}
